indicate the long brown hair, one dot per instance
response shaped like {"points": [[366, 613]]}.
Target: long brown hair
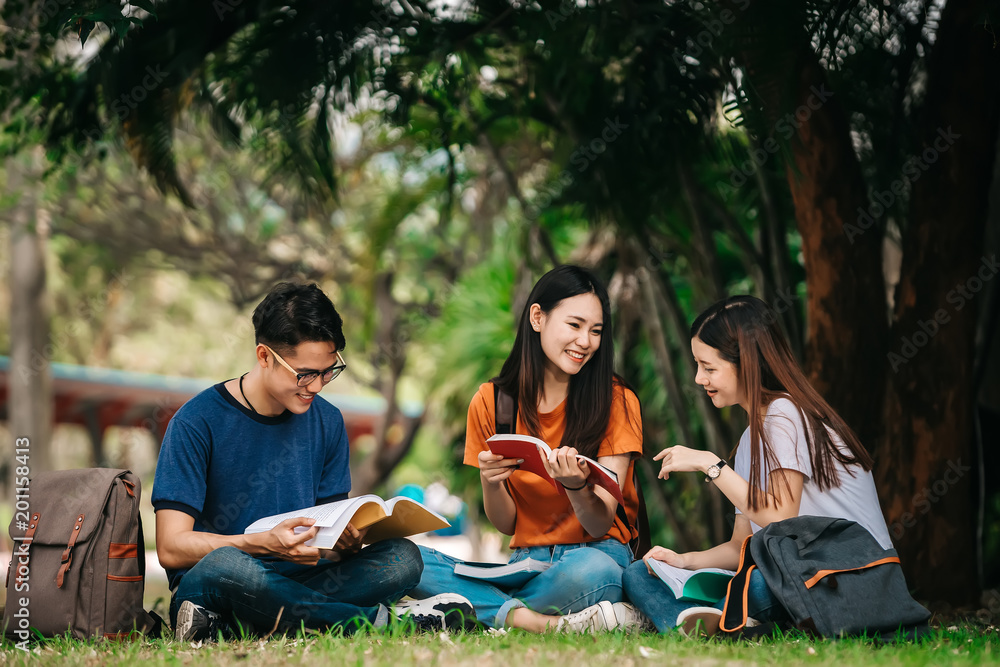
{"points": [[745, 332]]}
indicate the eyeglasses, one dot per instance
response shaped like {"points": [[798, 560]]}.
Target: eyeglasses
{"points": [[305, 379]]}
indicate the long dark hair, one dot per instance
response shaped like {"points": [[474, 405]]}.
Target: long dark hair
{"points": [[588, 406], [745, 332]]}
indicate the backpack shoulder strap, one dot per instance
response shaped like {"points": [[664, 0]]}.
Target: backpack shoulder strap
{"points": [[504, 411], [504, 417], [640, 544], [735, 611]]}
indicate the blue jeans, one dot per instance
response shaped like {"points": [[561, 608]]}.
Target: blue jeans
{"points": [[252, 590], [581, 575], [655, 599]]}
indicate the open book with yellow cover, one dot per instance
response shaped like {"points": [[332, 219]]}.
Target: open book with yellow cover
{"points": [[396, 517]]}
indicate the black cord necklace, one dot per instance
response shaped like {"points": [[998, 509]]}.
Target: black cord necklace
{"points": [[249, 404]]}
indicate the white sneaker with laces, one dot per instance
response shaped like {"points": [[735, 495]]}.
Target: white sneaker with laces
{"points": [[699, 621], [593, 619], [602, 617]]}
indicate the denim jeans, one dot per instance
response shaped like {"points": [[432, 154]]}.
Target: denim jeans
{"points": [[655, 599], [581, 575], [252, 590]]}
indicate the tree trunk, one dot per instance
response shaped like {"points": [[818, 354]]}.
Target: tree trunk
{"points": [[29, 377], [926, 463], [846, 308], [925, 414]]}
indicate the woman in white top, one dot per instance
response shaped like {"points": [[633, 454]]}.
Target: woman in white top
{"points": [[797, 457]]}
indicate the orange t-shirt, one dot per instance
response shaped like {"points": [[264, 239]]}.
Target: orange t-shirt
{"points": [[545, 516]]}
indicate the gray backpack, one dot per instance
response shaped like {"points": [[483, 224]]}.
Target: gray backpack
{"points": [[831, 576], [79, 559]]}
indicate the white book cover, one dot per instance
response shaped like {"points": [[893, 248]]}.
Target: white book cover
{"points": [[503, 574]]}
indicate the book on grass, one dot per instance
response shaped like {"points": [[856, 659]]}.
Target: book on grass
{"points": [[706, 585], [513, 575], [532, 449], [396, 517]]}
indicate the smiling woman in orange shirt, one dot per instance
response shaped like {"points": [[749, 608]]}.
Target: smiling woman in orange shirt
{"points": [[560, 374]]}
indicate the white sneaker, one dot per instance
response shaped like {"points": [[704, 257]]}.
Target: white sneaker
{"points": [[593, 619], [602, 617], [629, 618], [448, 611], [699, 621]]}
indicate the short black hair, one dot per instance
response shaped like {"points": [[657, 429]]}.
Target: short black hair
{"points": [[294, 313]]}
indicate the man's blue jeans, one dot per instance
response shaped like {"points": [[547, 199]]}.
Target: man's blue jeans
{"points": [[253, 591], [581, 575], [655, 599]]}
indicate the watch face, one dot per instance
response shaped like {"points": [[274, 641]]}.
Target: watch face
{"points": [[713, 471]]}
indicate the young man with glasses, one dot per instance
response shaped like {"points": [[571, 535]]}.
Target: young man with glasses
{"points": [[263, 444]]}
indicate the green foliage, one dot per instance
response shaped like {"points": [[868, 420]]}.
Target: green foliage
{"points": [[473, 334]]}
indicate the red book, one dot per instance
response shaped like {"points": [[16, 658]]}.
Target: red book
{"points": [[531, 449]]}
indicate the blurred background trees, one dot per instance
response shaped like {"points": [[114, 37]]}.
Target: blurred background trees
{"points": [[426, 162]]}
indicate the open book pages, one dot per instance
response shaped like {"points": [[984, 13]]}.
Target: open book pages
{"points": [[512, 575], [397, 517], [706, 585], [532, 449]]}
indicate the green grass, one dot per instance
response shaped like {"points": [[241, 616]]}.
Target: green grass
{"points": [[964, 645]]}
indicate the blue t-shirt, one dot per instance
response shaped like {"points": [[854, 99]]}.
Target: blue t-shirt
{"points": [[226, 466]]}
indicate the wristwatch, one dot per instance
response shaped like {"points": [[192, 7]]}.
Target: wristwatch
{"points": [[715, 470]]}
